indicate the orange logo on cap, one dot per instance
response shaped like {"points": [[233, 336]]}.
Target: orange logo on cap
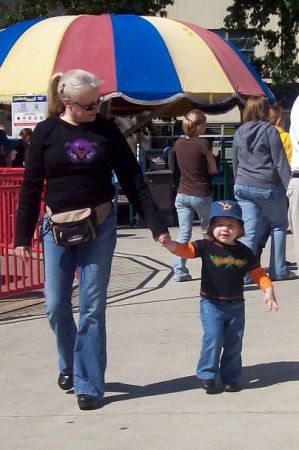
{"points": [[225, 206]]}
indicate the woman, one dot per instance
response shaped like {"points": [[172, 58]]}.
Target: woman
{"points": [[262, 174], [196, 163], [277, 119], [75, 151]]}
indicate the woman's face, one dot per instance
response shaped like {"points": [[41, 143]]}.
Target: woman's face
{"points": [[86, 105]]}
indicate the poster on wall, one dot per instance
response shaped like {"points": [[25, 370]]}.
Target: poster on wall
{"points": [[27, 111]]}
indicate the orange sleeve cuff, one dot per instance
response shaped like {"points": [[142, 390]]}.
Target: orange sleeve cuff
{"points": [[260, 277], [185, 250]]}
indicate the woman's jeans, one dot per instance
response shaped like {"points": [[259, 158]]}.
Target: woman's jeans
{"points": [[82, 348], [186, 206], [271, 204], [223, 324]]}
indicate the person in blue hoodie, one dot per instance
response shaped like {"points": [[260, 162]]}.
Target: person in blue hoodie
{"points": [[262, 175]]}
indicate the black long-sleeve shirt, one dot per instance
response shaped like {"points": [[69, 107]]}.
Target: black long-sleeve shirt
{"points": [[76, 161]]}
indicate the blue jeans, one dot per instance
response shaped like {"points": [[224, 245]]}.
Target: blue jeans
{"points": [[223, 325], [82, 348], [271, 204], [186, 206]]}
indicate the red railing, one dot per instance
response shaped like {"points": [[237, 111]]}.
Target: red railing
{"points": [[15, 275]]}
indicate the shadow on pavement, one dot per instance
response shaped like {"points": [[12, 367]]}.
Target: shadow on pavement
{"points": [[253, 377], [130, 391], [268, 374], [131, 276]]}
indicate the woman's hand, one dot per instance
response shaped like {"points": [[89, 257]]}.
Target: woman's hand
{"points": [[24, 252], [166, 241]]}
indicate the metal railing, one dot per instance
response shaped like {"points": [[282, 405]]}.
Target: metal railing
{"points": [[15, 275]]}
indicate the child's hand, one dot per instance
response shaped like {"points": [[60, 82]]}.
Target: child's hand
{"points": [[166, 241], [270, 299]]}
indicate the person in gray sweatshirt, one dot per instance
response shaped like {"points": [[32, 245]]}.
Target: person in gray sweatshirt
{"points": [[262, 175]]}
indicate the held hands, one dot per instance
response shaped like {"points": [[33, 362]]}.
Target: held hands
{"points": [[23, 252], [166, 241], [270, 299]]}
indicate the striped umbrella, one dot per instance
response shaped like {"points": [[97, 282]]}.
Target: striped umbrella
{"points": [[144, 61]]}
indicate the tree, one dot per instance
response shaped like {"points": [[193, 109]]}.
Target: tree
{"points": [[280, 66], [16, 11]]}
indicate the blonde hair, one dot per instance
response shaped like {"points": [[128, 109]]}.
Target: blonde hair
{"points": [[275, 114], [191, 121], [257, 108], [67, 86]]}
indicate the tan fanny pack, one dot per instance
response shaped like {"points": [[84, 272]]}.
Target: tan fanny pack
{"points": [[78, 226]]}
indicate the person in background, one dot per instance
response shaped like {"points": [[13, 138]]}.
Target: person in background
{"points": [[7, 148], [4, 147], [196, 164], [293, 188], [75, 151], [276, 118], [23, 147], [225, 261], [262, 174]]}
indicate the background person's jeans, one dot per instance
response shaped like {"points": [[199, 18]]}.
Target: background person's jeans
{"points": [[293, 195], [82, 350], [186, 206], [257, 203], [223, 324]]}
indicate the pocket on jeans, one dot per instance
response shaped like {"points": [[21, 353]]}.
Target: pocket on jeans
{"points": [[206, 306], [264, 195], [238, 193], [290, 191]]}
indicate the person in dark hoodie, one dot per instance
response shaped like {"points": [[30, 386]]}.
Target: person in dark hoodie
{"points": [[262, 175]]}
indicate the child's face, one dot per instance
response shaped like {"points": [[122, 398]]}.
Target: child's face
{"points": [[226, 230]]}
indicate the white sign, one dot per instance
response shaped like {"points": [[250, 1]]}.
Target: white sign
{"points": [[27, 111]]}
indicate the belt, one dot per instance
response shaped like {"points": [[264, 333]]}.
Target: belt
{"points": [[295, 175]]}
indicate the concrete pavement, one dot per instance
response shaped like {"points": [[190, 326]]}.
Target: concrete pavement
{"points": [[153, 400]]}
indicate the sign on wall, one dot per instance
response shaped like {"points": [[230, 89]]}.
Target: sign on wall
{"points": [[27, 111]]}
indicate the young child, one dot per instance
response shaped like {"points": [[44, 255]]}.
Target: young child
{"points": [[225, 261]]}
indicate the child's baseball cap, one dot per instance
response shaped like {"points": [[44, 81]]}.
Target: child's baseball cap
{"points": [[225, 208]]}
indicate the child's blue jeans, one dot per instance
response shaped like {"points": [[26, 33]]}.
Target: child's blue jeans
{"points": [[223, 325]]}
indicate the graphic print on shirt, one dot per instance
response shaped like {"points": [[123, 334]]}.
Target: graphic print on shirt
{"points": [[227, 261], [81, 150]]}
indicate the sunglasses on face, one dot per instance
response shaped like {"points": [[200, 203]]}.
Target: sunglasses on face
{"points": [[89, 107]]}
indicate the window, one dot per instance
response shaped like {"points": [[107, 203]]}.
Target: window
{"points": [[243, 40]]}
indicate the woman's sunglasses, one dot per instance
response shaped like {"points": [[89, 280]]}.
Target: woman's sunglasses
{"points": [[89, 107]]}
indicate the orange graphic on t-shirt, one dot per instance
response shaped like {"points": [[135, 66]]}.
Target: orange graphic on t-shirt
{"points": [[227, 261]]}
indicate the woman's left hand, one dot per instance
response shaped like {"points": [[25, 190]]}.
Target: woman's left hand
{"points": [[162, 237]]}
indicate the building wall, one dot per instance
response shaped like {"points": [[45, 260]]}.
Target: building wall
{"points": [[207, 14], [210, 14]]}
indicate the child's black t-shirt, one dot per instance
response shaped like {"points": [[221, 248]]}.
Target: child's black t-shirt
{"points": [[223, 268]]}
